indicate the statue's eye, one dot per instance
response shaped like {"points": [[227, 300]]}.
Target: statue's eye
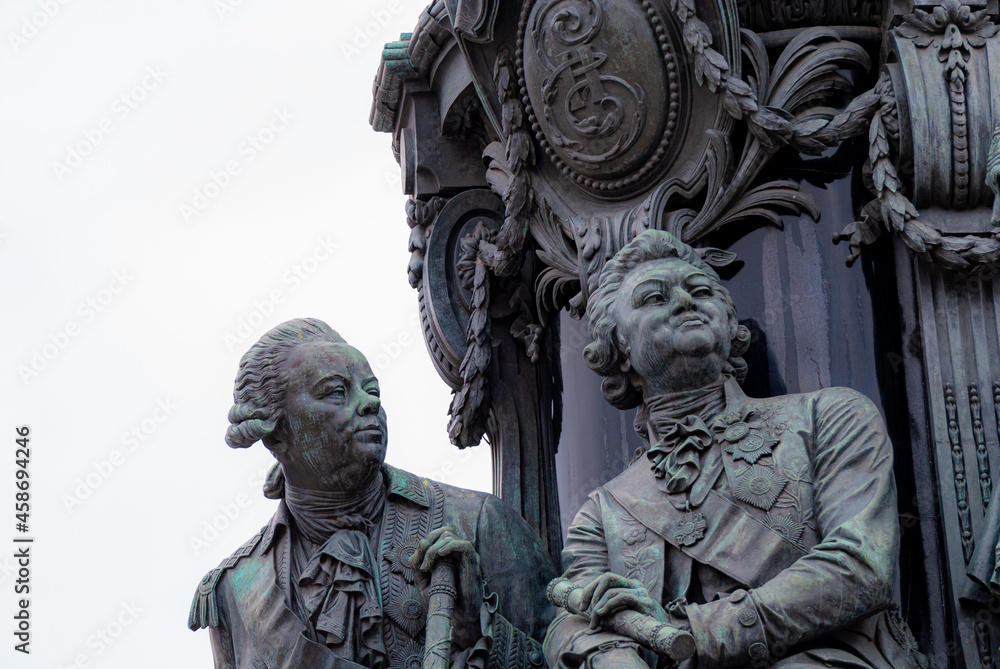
{"points": [[702, 291], [653, 298], [337, 391], [374, 392]]}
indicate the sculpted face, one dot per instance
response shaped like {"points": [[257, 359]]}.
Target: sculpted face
{"points": [[334, 428], [674, 325]]}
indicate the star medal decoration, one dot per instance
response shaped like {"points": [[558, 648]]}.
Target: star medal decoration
{"points": [[786, 526], [747, 441], [759, 486], [690, 529]]}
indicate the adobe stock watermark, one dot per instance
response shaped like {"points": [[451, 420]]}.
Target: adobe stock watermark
{"points": [[33, 24], [224, 7], [367, 34], [132, 439], [395, 347], [452, 469], [87, 312], [248, 150], [121, 108], [291, 279], [212, 529], [8, 568], [105, 637]]}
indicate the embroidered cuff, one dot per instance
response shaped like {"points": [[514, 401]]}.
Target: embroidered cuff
{"points": [[729, 632]]}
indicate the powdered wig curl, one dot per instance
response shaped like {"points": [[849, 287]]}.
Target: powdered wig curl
{"points": [[605, 355], [262, 379]]}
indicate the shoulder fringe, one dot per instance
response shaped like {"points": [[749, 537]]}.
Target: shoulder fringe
{"points": [[204, 608]]}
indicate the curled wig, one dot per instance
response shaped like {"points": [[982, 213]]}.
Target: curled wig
{"points": [[605, 355]]}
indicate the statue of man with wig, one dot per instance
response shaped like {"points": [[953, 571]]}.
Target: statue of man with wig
{"points": [[338, 578], [767, 528]]}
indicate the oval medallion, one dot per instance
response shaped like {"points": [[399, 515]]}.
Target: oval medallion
{"points": [[601, 86]]}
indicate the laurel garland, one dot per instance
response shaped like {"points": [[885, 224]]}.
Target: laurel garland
{"points": [[469, 403], [772, 126], [813, 134], [484, 251], [507, 174], [893, 210]]}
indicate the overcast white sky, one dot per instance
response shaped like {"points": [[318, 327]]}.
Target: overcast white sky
{"points": [[135, 271]]}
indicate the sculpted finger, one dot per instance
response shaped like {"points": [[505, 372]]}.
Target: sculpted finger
{"points": [[442, 547], [613, 602], [425, 543], [596, 589]]}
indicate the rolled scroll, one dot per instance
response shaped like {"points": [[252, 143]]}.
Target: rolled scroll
{"points": [[661, 638], [440, 607]]}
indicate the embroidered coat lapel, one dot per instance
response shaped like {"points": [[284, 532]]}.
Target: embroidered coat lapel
{"points": [[736, 542], [262, 609]]}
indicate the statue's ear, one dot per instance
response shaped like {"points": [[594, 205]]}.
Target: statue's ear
{"points": [[625, 365], [275, 441]]}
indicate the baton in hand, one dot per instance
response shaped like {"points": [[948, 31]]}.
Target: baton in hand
{"points": [[440, 608], [661, 638]]}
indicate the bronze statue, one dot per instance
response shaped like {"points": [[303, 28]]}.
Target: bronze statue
{"points": [[339, 577], [766, 528]]}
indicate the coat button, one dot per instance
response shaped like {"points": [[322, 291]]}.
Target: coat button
{"points": [[758, 651], [737, 596], [535, 658], [747, 617]]}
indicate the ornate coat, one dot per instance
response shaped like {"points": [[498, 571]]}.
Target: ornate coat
{"points": [[245, 600], [792, 537]]}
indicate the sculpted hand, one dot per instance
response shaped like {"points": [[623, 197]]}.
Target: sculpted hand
{"points": [[610, 593], [445, 543]]}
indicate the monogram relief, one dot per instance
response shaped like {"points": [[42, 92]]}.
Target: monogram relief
{"points": [[603, 109]]}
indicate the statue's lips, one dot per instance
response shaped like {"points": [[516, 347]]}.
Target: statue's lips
{"points": [[371, 433], [691, 321]]}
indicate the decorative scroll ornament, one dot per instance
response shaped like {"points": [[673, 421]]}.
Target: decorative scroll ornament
{"points": [[614, 121], [773, 112], [952, 30], [781, 105]]}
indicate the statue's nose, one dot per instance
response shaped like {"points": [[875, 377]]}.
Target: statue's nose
{"points": [[680, 300], [370, 404]]}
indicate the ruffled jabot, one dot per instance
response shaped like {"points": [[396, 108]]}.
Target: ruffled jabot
{"points": [[337, 583], [677, 423]]}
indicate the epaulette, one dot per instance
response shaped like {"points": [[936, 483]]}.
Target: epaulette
{"points": [[205, 609]]}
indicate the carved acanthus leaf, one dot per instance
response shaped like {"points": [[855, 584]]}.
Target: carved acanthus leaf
{"points": [[782, 107], [559, 282], [924, 26]]}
